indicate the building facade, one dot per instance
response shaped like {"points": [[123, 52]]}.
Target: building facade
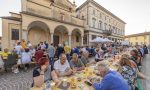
{"points": [[99, 22], [59, 21], [139, 39]]}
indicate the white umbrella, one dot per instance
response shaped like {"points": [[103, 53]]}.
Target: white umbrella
{"points": [[98, 40], [125, 42], [107, 40]]}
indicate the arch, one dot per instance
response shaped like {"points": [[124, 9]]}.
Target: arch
{"points": [[77, 31], [38, 31], [60, 35], [76, 37], [61, 28], [38, 24]]}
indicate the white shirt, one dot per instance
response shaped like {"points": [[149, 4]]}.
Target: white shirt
{"points": [[43, 46], [83, 50], [18, 48], [29, 45], [26, 57], [32, 51], [62, 68]]}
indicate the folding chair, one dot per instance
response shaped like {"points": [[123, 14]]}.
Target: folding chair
{"points": [[11, 61]]}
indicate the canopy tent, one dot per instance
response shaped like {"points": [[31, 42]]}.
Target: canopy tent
{"points": [[107, 40], [125, 42], [98, 40]]}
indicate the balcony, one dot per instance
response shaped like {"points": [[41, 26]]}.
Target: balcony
{"points": [[107, 32]]}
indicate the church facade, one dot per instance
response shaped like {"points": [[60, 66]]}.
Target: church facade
{"points": [[54, 21]]}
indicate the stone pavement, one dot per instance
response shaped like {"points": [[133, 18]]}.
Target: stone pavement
{"points": [[146, 71], [23, 80], [11, 81]]}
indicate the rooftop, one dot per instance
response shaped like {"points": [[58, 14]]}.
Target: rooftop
{"points": [[104, 9], [138, 34]]}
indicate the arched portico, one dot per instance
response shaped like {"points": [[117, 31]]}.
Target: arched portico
{"points": [[60, 35], [76, 38], [38, 31]]}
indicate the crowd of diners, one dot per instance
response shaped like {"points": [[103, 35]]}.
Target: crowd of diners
{"points": [[53, 62]]}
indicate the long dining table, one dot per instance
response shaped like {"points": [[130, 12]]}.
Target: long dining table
{"points": [[77, 80]]}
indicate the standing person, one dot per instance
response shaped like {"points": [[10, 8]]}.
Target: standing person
{"points": [[112, 80], [18, 48], [149, 48], [67, 50], [46, 44], [0, 46], [29, 44], [60, 50], [145, 49], [42, 45], [23, 44], [51, 53], [32, 51]]}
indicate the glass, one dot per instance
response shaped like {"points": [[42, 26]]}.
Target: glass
{"points": [[48, 86], [73, 82], [90, 74], [52, 85], [84, 74], [86, 69], [64, 82]]}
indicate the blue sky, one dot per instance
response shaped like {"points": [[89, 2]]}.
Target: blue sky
{"points": [[136, 13]]}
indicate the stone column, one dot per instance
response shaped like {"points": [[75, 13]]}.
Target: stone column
{"points": [[82, 40], [69, 40], [52, 37], [24, 34]]}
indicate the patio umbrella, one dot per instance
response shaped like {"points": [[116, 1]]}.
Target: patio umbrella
{"points": [[107, 40], [125, 42], [98, 40]]}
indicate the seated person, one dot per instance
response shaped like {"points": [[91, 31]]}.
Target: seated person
{"points": [[112, 80], [25, 57], [62, 67], [134, 66], [99, 55], [38, 54], [128, 72], [5, 54], [85, 60], [76, 64], [43, 73]]}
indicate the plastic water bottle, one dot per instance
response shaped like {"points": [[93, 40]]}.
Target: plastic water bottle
{"points": [[48, 86]]}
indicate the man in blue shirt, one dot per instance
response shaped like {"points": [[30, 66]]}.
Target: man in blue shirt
{"points": [[112, 80]]}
